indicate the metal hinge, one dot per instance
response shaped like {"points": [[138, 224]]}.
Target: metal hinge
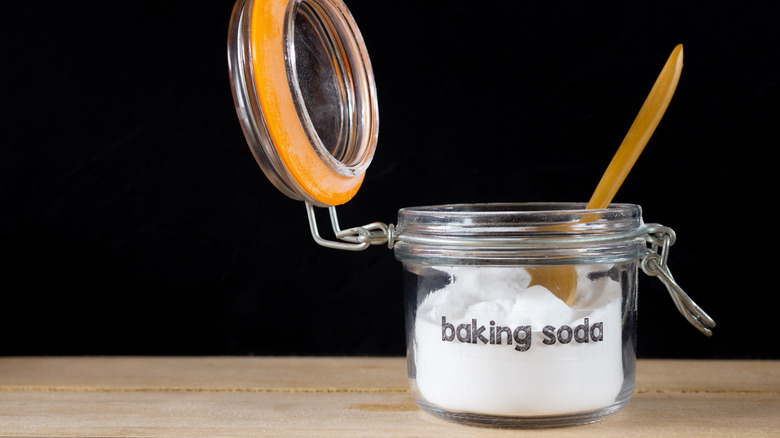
{"points": [[351, 239]]}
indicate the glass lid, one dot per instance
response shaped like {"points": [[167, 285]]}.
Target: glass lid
{"points": [[305, 95]]}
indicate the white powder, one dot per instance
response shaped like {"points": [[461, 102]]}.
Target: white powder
{"points": [[483, 376]]}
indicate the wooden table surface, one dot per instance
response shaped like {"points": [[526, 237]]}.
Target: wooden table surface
{"points": [[344, 397]]}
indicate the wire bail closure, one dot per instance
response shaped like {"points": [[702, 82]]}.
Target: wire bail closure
{"points": [[654, 263], [352, 239]]}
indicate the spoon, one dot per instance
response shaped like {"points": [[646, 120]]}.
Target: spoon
{"points": [[562, 280]]}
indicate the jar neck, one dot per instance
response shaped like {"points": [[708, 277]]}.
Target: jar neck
{"points": [[522, 233]]}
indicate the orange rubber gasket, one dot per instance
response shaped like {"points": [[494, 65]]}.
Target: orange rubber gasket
{"points": [[300, 159]]}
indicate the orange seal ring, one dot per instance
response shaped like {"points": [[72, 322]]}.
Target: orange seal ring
{"points": [[315, 178]]}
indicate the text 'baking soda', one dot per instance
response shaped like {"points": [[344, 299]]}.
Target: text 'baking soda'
{"points": [[521, 335]]}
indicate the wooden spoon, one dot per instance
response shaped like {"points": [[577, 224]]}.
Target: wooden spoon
{"points": [[562, 280]]}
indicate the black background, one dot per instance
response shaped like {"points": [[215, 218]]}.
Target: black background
{"points": [[134, 219]]}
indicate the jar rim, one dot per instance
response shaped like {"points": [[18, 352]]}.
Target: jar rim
{"points": [[520, 231], [517, 220], [513, 208]]}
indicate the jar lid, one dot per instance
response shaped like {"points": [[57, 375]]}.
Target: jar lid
{"points": [[304, 92]]}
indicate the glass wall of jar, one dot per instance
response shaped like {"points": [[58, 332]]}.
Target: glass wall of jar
{"points": [[520, 314]]}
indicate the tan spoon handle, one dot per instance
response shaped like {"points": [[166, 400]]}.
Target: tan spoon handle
{"points": [[640, 132]]}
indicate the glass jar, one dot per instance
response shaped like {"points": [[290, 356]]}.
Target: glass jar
{"points": [[517, 314], [488, 342]]}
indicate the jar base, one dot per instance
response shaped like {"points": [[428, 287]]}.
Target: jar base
{"points": [[522, 422]]}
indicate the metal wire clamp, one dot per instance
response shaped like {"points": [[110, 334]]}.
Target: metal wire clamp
{"points": [[351, 239], [654, 264]]}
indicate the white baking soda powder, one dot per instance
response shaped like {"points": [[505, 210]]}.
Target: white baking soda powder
{"points": [[487, 343]]}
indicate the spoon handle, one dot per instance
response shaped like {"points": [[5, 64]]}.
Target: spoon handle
{"points": [[640, 132]]}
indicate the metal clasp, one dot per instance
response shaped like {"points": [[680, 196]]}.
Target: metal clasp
{"points": [[654, 264], [351, 239]]}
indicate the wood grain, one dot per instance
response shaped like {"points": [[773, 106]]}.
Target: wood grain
{"points": [[345, 397]]}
